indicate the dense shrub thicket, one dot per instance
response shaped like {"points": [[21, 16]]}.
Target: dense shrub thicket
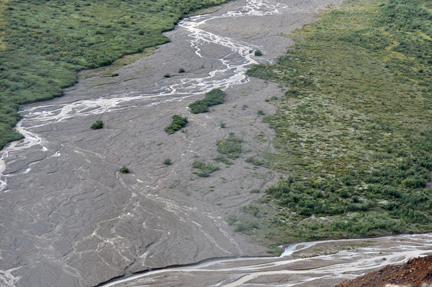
{"points": [[353, 130]]}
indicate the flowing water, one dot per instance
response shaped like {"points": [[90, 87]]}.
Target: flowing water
{"points": [[231, 74], [269, 271], [346, 259]]}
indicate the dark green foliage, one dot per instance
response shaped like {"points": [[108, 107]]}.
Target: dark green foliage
{"points": [[167, 161], [181, 70], [402, 188], [47, 42], [261, 113], [177, 123], [167, 75], [256, 190], [206, 169], [212, 98], [97, 125], [124, 170], [258, 53], [231, 146]]}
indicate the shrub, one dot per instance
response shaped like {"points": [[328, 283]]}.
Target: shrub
{"points": [[221, 158], [177, 123], [231, 146], [212, 98], [97, 125], [222, 125], [167, 161], [124, 170], [261, 113], [206, 169], [181, 70], [256, 190], [258, 53], [167, 75]]}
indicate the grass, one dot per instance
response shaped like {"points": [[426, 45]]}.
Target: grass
{"points": [[212, 98], [353, 132], [43, 45]]}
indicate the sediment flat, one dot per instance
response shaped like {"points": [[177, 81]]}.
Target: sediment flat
{"points": [[70, 218]]}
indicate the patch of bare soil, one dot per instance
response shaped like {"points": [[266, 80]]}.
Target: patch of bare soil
{"points": [[416, 272]]}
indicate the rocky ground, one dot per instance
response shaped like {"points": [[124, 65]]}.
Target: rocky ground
{"points": [[416, 272]]}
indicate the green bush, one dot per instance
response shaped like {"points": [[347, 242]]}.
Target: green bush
{"points": [[181, 70], [167, 75], [258, 53], [231, 146], [97, 125], [177, 123], [124, 170], [167, 161], [261, 113], [212, 98], [206, 169]]}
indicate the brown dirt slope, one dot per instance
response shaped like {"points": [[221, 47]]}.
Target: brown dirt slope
{"points": [[416, 272]]}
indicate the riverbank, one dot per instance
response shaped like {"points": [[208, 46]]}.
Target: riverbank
{"points": [[71, 218]]}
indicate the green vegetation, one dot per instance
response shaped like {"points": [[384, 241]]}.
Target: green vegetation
{"points": [[258, 53], [231, 147], [354, 129], [177, 123], [124, 170], [167, 75], [168, 161], [43, 44], [212, 98], [206, 169], [97, 125], [260, 113], [181, 70], [221, 158], [222, 125]]}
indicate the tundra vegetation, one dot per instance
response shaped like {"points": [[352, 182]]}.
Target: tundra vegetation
{"points": [[353, 131], [43, 44]]}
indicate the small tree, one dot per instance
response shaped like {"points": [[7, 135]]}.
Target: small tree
{"points": [[97, 125], [124, 170]]}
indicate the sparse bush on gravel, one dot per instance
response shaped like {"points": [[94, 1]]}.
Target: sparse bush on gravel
{"points": [[177, 123], [97, 125], [231, 146], [206, 169], [212, 98], [124, 170]]}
